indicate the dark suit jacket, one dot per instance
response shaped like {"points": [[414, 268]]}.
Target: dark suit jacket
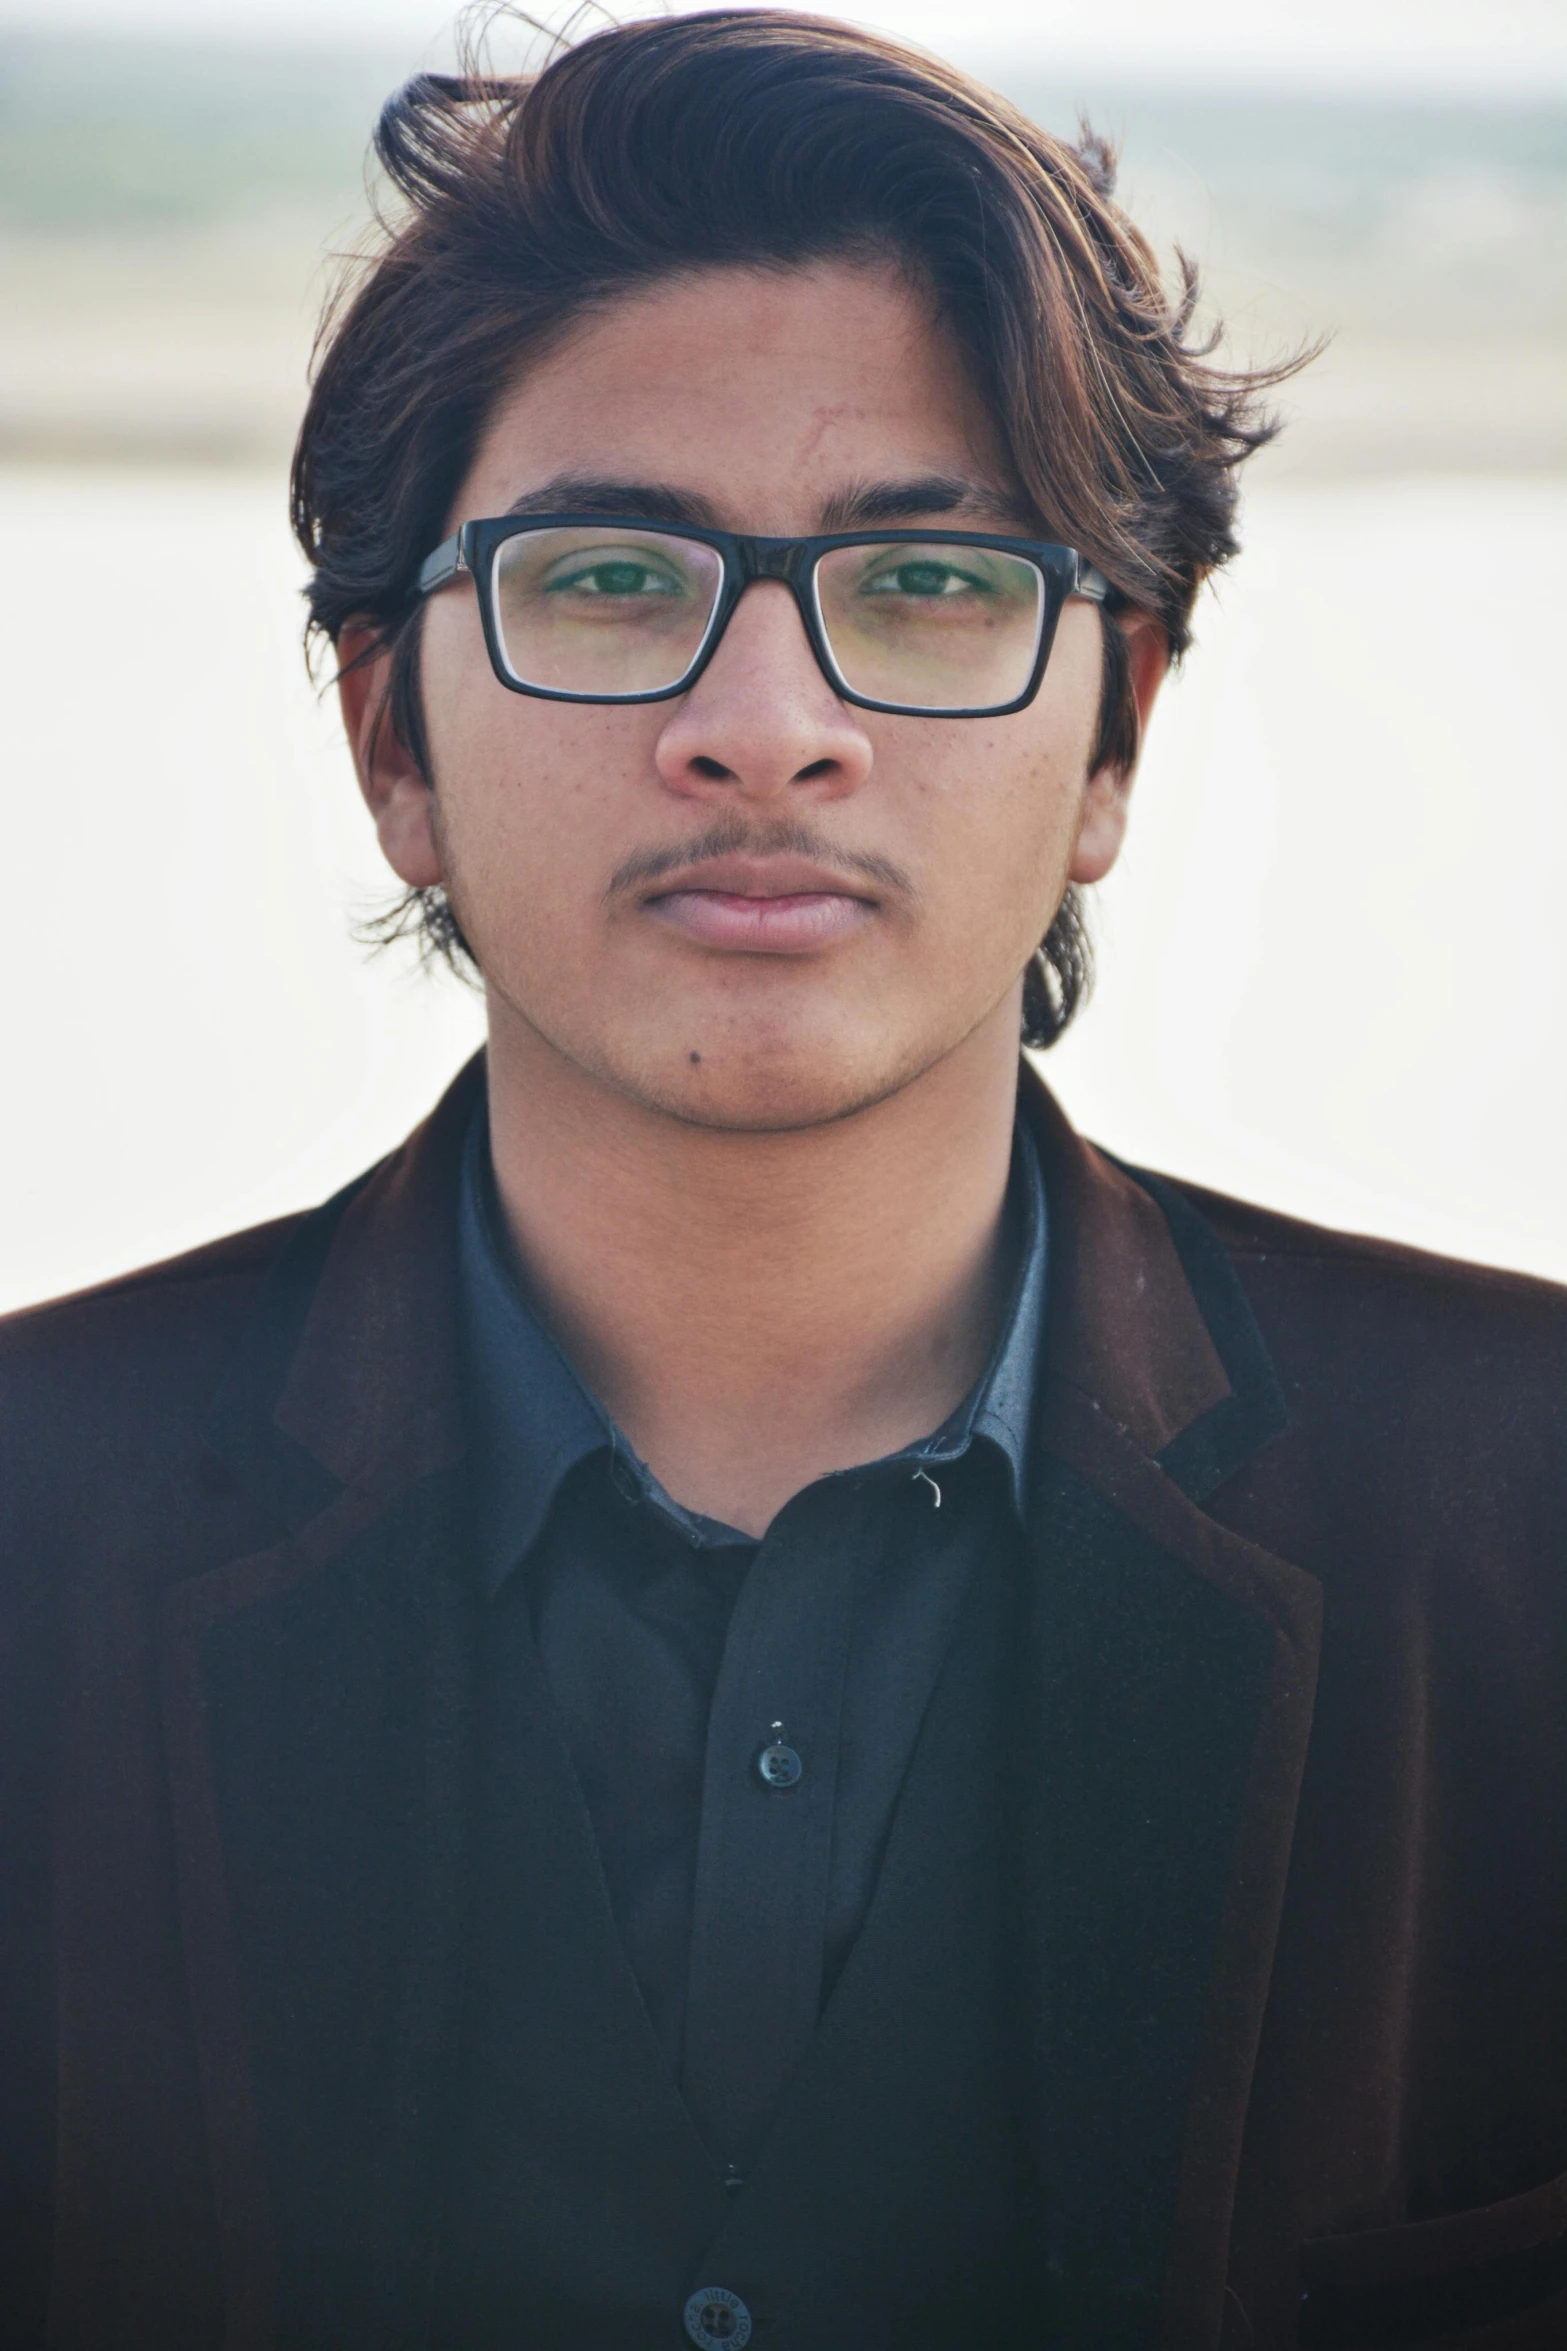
{"points": [[1297, 1873]]}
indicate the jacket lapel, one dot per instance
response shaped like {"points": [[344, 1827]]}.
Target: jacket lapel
{"points": [[1171, 1670], [318, 1707]]}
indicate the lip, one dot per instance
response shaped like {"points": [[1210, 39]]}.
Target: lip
{"points": [[760, 905]]}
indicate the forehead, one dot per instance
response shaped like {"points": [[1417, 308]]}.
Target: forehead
{"points": [[767, 390]]}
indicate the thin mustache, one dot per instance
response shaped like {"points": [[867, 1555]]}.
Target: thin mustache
{"points": [[729, 838]]}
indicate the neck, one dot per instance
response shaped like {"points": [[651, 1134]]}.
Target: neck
{"points": [[757, 1310]]}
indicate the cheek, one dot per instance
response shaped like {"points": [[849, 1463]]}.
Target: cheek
{"points": [[535, 810], [1000, 819], [1042, 771]]}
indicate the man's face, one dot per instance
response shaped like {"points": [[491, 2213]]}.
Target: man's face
{"points": [[755, 906]]}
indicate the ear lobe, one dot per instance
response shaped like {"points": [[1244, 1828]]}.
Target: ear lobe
{"points": [[1107, 800], [393, 784]]}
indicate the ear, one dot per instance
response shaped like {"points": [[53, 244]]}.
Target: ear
{"points": [[395, 790], [1107, 796]]}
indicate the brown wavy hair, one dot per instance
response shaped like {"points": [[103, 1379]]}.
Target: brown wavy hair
{"points": [[765, 138]]}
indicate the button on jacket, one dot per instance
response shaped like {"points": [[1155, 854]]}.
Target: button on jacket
{"points": [[1292, 1746]]}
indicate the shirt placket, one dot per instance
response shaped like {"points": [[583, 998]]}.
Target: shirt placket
{"points": [[765, 1850]]}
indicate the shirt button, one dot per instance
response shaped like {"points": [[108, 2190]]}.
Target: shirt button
{"points": [[718, 2320], [779, 1765]]}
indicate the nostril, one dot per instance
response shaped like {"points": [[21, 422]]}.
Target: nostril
{"points": [[818, 767], [713, 769]]}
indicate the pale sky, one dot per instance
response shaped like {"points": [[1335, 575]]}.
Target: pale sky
{"points": [[1465, 45]]}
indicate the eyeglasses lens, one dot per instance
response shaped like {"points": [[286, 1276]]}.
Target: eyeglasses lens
{"points": [[603, 612], [935, 627], [610, 612]]}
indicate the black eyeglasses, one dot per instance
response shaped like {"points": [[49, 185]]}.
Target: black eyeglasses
{"points": [[593, 608]]}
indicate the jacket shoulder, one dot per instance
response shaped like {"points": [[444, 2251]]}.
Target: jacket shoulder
{"points": [[105, 1396], [1352, 1260], [1426, 1400], [1373, 1320], [211, 1281]]}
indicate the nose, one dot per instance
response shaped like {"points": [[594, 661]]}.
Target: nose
{"points": [[762, 720]]}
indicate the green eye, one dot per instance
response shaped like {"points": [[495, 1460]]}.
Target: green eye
{"points": [[923, 578], [617, 576]]}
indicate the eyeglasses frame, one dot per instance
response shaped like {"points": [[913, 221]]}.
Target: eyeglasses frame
{"points": [[746, 559]]}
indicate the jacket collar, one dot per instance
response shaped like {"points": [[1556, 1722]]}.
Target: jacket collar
{"points": [[350, 1373], [318, 1702], [1148, 1322], [348, 1379]]}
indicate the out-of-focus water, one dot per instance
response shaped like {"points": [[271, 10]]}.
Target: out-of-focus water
{"points": [[1333, 962]]}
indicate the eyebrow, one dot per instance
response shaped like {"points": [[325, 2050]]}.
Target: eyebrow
{"points": [[571, 493], [860, 506], [909, 501]]}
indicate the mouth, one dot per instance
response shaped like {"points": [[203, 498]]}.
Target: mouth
{"points": [[760, 905]]}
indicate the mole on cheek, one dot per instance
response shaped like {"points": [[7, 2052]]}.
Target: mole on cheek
{"points": [[695, 1058]]}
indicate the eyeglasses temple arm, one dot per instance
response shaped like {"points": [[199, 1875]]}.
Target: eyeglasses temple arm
{"points": [[1090, 583], [447, 561]]}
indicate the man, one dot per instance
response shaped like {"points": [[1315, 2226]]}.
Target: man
{"points": [[750, 1696]]}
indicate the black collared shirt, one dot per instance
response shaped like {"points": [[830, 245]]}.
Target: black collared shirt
{"points": [[677, 1649]]}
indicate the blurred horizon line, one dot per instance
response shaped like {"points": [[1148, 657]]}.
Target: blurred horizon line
{"points": [[1532, 76], [171, 211]]}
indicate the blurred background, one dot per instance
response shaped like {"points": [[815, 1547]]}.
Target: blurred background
{"points": [[1333, 964]]}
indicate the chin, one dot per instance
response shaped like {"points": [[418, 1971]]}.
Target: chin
{"points": [[766, 1087]]}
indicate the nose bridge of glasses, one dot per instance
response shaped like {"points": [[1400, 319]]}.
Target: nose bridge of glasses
{"points": [[770, 559], [758, 561]]}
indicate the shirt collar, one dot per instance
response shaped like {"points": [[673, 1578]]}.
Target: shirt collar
{"points": [[1000, 1405], [531, 1418]]}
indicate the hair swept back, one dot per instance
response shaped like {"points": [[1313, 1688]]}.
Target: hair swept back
{"points": [[766, 138]]}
